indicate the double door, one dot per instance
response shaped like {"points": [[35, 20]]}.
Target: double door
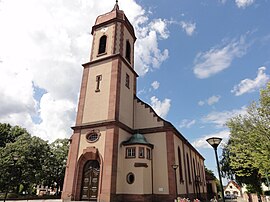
{"points": [[90, 181]]}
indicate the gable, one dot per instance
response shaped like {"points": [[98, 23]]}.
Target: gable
{"points": [[232, 186], [145, 116]]}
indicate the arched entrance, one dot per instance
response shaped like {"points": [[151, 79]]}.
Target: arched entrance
{"points": [[90, 181]]}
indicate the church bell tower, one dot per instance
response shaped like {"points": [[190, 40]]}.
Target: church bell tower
{"points": [[105, 106]]}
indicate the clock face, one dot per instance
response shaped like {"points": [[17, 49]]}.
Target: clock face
{"points": [[104, 29]]}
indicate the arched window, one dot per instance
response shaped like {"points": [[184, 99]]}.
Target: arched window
{"points": [[202, 174], [102, 44], [128, 51], [180, 165], [194, 170], [188, 167], [199, 172]]}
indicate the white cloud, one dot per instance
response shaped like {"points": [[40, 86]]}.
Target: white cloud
{"points": [[161, 107], [210, 101], [55, 114], [187, 123], [155, 85], [213, 99], [160, 26], [201, 103], [147, 54], [202, 143], [218, 58], [243, 3], [220, 118], [248, 85], [142, 91], [188, 27], [44, 51]]}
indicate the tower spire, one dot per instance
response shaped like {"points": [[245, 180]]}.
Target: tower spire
{"points": [[116, 7]]}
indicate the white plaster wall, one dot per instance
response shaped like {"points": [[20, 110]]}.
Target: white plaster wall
{"points": [[232, 190], [181, 186], [142, 183], [144, 118], [100, 144], [97, 103], [159, 156], [121, 173], [126, 114]]}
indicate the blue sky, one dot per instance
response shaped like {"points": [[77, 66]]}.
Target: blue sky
{"points": [[200, 62]]}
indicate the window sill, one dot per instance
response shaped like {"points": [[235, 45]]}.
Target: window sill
{"points": [[130, 157], [141, 165], [141, 157], [101, 54]]}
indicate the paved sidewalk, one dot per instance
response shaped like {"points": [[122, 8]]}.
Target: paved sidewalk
{"points": [[35, 200]]}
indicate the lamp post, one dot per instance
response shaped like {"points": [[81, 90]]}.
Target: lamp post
{"points": [[175, 166], [214, 142]]}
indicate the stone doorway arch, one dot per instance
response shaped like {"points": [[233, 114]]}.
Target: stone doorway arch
{"points": [[90, 164]]}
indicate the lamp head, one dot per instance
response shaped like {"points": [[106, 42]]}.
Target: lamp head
{"points": [[214, 141]]}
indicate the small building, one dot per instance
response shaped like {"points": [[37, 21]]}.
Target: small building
{"points": [[232, 188], [45, 190], [121, 150]]}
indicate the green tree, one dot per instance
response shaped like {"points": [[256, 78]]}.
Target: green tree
{"points": [[27, 161], [30, 153], [212, 175], [8, 156], [209, 172], [9, 134], [56, 163], [246, 155]]}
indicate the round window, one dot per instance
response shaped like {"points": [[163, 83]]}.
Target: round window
{"points": [[92, 137], [130, 178]]}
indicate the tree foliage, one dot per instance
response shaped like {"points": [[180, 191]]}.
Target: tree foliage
{"points": [[10, 134], [56, 163], [247, 153], [28, 160], [209, 173]]}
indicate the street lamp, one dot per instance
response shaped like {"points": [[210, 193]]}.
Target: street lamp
{"points": [[175, 166], [214, 142]]}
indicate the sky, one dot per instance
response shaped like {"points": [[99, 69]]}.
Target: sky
{"points": [[199, 62]]}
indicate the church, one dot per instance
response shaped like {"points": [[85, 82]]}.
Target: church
{"points": [[121, 150]]}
